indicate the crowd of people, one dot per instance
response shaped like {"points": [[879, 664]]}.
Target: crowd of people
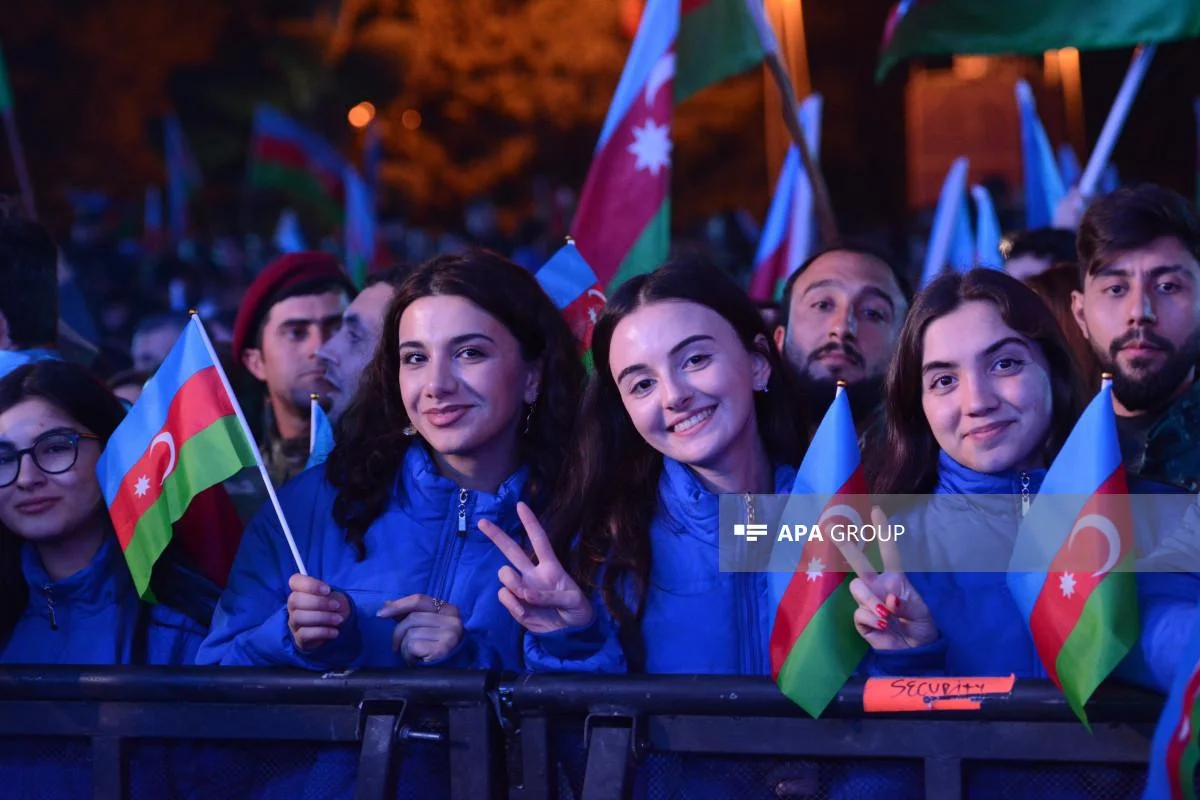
{"points": [[488, 504]]}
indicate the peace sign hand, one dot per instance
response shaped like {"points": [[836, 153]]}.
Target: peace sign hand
{"points": [[890, 614], [542, 596]]}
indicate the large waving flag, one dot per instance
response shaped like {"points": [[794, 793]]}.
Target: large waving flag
{"points": [[789, 236], [1176, 749], [183, 176], [360, 227], [943, 27], [1044, 188], [287, 156], [1081, 606], [181, 437], [575, 290], [622, 225], [814, 646]]}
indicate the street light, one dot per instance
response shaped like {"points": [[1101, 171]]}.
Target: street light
{"points": [[361, 115]]}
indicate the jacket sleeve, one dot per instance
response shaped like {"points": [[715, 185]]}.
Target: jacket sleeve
{"points": [[595, 647], [1169, 605], [925, 660], [249, 627]]}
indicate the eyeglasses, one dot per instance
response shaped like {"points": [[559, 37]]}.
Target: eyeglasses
{"points": [[53, 453]]}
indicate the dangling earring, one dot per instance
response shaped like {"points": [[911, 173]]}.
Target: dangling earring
{"points": [[409, 430], [764, 388], [529, 416]]}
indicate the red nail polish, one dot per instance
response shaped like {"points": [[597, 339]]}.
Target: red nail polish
{"points": [[883, 626], [882, 610]]}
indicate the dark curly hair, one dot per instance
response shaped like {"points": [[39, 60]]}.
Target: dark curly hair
{"points": [[370, 443], [609, 491]]}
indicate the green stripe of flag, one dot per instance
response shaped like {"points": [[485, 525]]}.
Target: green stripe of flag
{"points": [[1105, 633], [716, 40], [649, 251], [299, 183], [6, 99], [825, 654], [204, 460]]}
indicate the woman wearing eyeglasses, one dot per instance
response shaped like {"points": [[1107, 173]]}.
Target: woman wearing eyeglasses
{"points": [[66, 596]]}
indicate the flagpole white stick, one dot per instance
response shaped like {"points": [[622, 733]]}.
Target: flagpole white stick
{"points": [[1116, 120], [262, 469], [312, 423]]}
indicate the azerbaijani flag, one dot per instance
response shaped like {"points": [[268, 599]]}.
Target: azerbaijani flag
{"points": [[622, 225], [814, 646], [1176, 749], [183, 176], [789, 235], [987, 230], [943, 27], [1081, 599], [1044, 188], [287, 156], [181, 437], [320, 435], [360, 227], [573, 287], [950, 240]]}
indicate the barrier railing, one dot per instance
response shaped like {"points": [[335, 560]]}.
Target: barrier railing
{"points": [[516, 736]]}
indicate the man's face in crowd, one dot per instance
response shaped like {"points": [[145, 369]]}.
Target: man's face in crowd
{"points": [[1141, 314], [348, 351], [294, 330], [845, 316], [150, 348]]}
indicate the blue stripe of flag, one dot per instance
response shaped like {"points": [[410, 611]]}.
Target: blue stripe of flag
{"points": [[833, 456], [277, 125], [566, 276]]}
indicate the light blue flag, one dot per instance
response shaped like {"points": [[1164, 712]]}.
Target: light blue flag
{"points": [[1068, 165], [320, 436], [946, 228], [1043, 184], [962, 246], [987, 230]]}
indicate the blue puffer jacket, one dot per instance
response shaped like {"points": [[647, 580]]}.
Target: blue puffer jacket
{"points": [[91, 618], [983, 632], [95, 618], [697, 619], [426, 542]]}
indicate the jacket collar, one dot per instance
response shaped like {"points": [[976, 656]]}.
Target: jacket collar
{"points": [[103, 582], [690, 506], [428, 494], [954, 478]]}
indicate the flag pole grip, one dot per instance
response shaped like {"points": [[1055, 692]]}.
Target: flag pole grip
{"points": [[262, 469], [826, 219], [1116, 120]]}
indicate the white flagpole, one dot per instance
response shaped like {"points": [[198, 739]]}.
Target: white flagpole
{"points": [[312, 422], [1116, 120], [262, 469]]}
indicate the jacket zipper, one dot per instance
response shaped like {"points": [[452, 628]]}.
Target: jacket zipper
{"points": [[749, 652], [455, 545], [49, 590], [1026, 500]]}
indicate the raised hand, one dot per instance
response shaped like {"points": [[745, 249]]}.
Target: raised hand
{"points": [[428, 629], [890, 614], [315, 611], [542, 596]]}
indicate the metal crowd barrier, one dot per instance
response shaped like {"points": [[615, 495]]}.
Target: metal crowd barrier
{"points": [[502, 734]]}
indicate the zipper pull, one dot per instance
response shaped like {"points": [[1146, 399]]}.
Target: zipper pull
{"points": [[462, 510], [749, 499], [1025, 499], [50, 607]]}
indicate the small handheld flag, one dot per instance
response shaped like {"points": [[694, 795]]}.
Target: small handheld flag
{"points": [[320, 434], [569, 281]]}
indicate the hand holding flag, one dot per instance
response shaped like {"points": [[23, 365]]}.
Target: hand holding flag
{"points": [[315, 611], [891, 614]]}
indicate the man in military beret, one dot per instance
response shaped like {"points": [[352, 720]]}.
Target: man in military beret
{"points": [[292, 308], [1139, 306]]}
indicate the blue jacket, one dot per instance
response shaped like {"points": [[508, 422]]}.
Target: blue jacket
{"points": [[91, 618], [983, 632], [426, 541], [697, 619]]}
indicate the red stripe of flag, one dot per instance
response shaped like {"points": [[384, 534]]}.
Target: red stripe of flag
{"points": [[1071, 578], [819, 574], [768, 272], [582, 313], [290, 154], [200, 402], [1182, 736]]}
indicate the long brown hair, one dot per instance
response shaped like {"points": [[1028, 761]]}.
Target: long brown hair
{"points": [[609, 493], [909, 460], [370, 443]]}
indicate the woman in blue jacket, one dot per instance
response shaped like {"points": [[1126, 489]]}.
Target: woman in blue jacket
{"points": [[465, 409], [66, 595], [981, 395]]}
